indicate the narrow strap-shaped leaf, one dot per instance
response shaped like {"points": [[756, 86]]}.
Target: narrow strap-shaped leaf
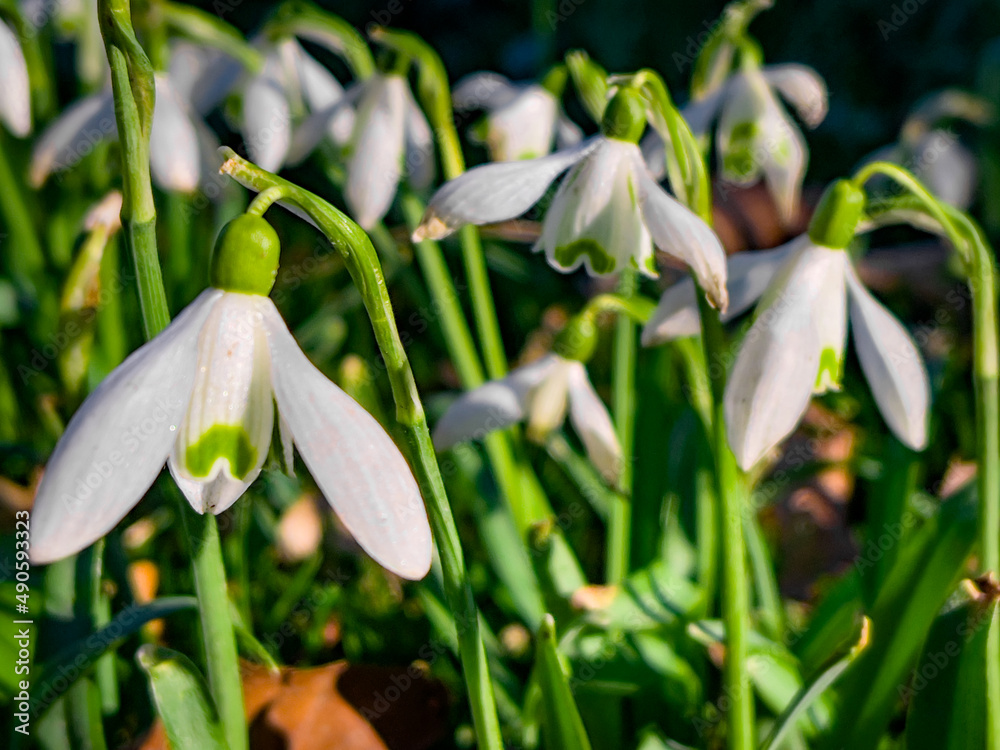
{"points": [[561, 724], [809, 693], [182, 700]]}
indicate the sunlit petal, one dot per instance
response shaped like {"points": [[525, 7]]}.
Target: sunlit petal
{"points": [[593, 424]]}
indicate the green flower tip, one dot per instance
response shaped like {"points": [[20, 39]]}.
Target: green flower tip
{"points": [[625, 116], [246, 256], [578, 340], [837, 215]]}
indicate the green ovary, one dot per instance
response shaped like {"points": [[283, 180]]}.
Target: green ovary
{"points": [[228, 441], [600, 261], [831, 370]]}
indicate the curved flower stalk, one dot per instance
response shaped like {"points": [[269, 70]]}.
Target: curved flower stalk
{"points": [[606, 215], [15, 90], [201, 397], [523, 119], [182, 149], [795, 347], [931, 150], [539, 393]]}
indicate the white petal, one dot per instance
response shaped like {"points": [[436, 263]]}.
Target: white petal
{"points": [[202, 76], [784, 163], [594, 219], [747, 277], [15, 91], [700, 113], [73, 135], [946, 167], [376, 164], [654, 154], [267, 116], [678, 231], [322, 91], [525, 127], [174, 149], [738, 136], [892, 365], [419, 145], [232, 390], [495, 192], [491, 406], [593, 424], [802, 87], [482, 91], [547, 402], [117, 442], [356, 465], [775, 370], [568, 133]]}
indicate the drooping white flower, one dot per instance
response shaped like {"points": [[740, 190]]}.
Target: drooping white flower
{"points": [[182, 149], [523, 119], [606, 215], [15, 91], [290, 105], [930, 148], [539, 393], [755, 134], [201, 397], [795, 347], [391, 139]]}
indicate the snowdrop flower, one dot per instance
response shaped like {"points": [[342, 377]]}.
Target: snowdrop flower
{"points": [[390, 134], [606, 215], [290, 80], [539, 393], [181, 147], [795, 347], [755, 133], [523, 119], [930, 149], [15, 91], [201, 397]]}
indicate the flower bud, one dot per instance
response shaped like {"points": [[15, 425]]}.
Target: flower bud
{"points": [[625, 116], [837, 215], [246, 256]]}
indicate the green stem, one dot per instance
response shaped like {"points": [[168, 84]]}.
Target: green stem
{"points": [[134, 92], [969, 242], [363, 264], [735, 584], [618, 547]]}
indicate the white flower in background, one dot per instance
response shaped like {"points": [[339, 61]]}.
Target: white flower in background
{"points": [[15, 90], [523, 119], [291, 105], [182, 149], [755, 134], [930, 148], [391, 139], [606, 215], [539, 393], [201, 397], [795, 347]]}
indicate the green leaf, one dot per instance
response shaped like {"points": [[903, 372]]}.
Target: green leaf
{"points": [[809, 694], [925, 574], [562, 726], [68, 661], [948, 690], [182, 700]]}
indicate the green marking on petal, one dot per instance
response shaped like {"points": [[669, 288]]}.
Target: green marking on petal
{"points": [[831, 371], [228, 441], [738, 160], [600, 261]]}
